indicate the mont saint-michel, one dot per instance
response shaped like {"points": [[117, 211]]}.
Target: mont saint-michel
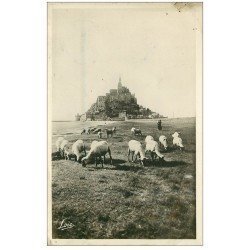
{"points": [[117, 104]]}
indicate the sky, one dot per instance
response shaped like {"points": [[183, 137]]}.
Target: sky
{"points": [[151, 47]]}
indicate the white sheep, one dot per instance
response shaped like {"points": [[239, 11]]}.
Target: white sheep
{"points": [[163, 141], [58, 143], [177, 141], [97, 150], [135, 148], [64, 148], [78, 148], [153, 147], [92, 145], [148, 138]]}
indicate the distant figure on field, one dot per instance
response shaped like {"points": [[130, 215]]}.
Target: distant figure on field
{"points": [[159, 125]]}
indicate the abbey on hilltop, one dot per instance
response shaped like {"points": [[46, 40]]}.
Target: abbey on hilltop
{"points": [[117, 104]]}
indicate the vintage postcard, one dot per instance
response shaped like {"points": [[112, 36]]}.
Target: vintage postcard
{"points": [[124, 123]]}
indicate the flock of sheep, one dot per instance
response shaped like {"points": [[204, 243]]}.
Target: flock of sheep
{"points": [[99, 149], [98, 131]]}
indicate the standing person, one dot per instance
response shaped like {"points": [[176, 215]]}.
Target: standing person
{"points": [[159, 125]]}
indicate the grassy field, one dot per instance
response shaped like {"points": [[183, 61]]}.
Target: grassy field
{"points": [[127, 201]]}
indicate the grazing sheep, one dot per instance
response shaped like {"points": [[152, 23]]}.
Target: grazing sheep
{"points": [[64, 148], [135, 148], [97, 150], [148, 138], [177, 141], [95, 131], [78, 148], [163, 141], [86, 131], [153, 147], [110, 132], [58, 143], [136, 131], [92, 129]]}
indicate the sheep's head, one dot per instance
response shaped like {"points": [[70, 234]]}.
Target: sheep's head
{"points": [[143, 161], [81, 156], [161, 159]]}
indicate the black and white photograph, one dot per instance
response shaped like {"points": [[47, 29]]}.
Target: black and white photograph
{"points": [[124, 123]]}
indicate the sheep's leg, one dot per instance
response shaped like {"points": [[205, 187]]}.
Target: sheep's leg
{"points": [[111, 160], [135, 157], [128, 154], [132, 156], [85, 151], [80, 156], [96, 161], [152, 156], [104, 159]]}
